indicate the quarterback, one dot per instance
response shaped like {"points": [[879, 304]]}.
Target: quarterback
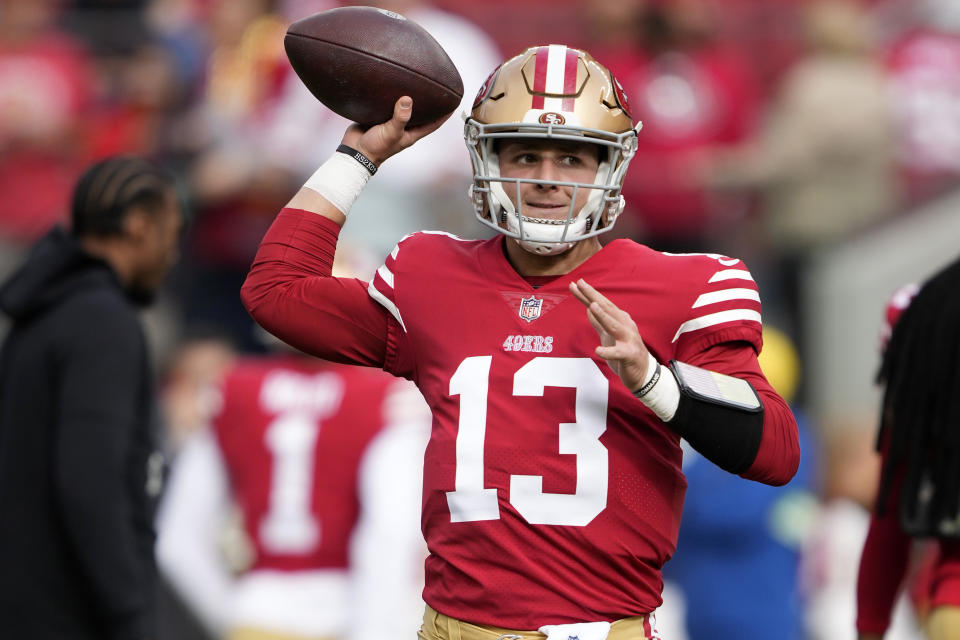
{"points": [[561, 373]]}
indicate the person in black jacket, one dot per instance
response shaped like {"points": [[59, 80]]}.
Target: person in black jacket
{"points": [[77, 470]]}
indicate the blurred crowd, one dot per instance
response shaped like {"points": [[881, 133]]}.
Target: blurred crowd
{"points": [[771, 130]]}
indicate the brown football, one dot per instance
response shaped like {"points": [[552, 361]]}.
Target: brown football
{"points": [[359, 60]]}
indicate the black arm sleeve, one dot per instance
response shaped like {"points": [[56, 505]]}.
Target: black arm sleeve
{"points": [[728, 437]]}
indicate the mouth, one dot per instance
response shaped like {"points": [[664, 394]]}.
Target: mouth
{"points": [[547, 211]]}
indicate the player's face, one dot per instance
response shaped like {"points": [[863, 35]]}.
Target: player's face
{"points": [[160, 247], [548, 160]]}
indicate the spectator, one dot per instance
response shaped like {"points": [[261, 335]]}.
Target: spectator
{"points": [[77, 469], [195, 370], [235, 179], [923, 65], [823, 164], [45, 89], [693, 94]]}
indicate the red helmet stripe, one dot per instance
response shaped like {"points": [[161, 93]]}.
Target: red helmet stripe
{"points": [[570, 78], [540, 76]]}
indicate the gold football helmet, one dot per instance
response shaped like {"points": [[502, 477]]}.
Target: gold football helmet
{"points": [[556, 93]]}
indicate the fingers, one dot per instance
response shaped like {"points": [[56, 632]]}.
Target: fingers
{"points": [[609, 322], [605, 338], [402, 111], [389, 138], [592, 295], [578, 294], [605, 313]]}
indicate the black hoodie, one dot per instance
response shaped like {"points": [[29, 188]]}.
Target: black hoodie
{"points": [[76, 533]]}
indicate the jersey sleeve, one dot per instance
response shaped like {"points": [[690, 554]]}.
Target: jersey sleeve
{"points": [[886, 550], [721, 330], [883, 564], [778, 456], [291, 293], [724, 306]]}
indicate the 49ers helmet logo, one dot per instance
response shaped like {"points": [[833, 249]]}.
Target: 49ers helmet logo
{"points": [[621, 96], [552, 118], [485, 88]]}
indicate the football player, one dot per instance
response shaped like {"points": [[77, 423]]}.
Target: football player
{"points": [[561, 373], [320, 461], [919, 481]]}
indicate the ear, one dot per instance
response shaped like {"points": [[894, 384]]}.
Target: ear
{"points": [[136, 225]]}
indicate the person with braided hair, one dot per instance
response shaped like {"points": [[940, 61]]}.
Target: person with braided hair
{"points": [[919, 494], [78, 468]]}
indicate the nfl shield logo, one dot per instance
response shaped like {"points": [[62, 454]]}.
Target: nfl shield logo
{"points": [[530, 308]]}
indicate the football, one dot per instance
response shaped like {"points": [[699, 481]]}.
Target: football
{"points": [[359, 60]]}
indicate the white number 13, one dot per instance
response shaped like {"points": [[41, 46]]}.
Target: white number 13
{"points": [[471, 501]]}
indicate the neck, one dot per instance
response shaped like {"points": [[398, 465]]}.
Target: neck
{"points": [[113, 253], [529, 264]]}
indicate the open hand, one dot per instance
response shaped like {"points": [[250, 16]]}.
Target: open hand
{"points": [[381, 141], [620, 342]]}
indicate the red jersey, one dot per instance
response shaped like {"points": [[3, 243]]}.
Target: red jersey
{"points": [[551, 494], [292, 432], [886, 550]]}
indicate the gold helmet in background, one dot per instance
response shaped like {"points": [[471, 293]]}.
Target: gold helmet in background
{"points": [[554, 93]]}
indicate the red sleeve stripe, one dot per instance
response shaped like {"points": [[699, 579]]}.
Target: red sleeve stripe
{"points": [[725, 295], [713, 319]]}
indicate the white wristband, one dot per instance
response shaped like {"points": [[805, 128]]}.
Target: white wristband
{"points": [[340, 180], [663, 397]]}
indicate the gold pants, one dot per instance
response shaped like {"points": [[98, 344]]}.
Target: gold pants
{"points": [[437, 626], [253, 633], [943, 623]]}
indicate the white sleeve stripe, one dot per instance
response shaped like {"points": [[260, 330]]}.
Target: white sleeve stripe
{"points": [[445, 233], [386, 303], [396, 250], [724, 295], [386, 274], [720, 317], [731, 274]]}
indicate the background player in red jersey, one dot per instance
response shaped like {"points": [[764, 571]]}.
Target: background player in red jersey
{"points": [[552, 482], [919, 492], [320, 460]]}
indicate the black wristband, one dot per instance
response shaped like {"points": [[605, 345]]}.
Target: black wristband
{"points": [[645, 389], [359, 157]]}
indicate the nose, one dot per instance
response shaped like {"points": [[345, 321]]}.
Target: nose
{"points": [[546, 170]]}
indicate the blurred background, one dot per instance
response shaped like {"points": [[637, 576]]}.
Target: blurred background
{"points": [[818, 140]]}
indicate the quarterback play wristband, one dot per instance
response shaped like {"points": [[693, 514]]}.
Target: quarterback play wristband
{"points": [[340, 180]]}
